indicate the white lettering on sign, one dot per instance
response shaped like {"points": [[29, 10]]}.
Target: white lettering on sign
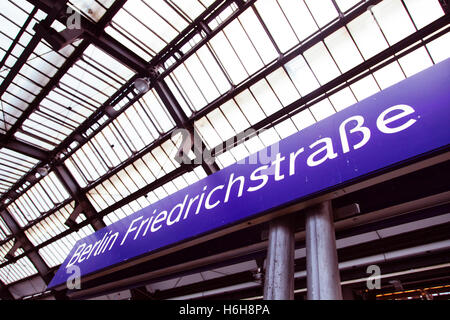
{"points": [[392, 120]]}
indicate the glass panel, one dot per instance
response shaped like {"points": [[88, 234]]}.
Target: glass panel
{"points": [[39, 199], [16, 271]]}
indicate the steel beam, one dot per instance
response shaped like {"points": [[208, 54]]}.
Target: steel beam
{"points": [[31, 46], [445, 6], [182, 121], [79, 196], [27, 246], [24, 148]]}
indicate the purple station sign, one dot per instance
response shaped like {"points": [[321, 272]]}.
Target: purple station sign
{"points": [[403, 122]]}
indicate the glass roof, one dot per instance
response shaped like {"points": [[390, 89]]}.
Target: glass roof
{"points": [[15, 271], [13, 166], [82, 90], [38, 200], [226, 77], [40, 66], [147, 26]]}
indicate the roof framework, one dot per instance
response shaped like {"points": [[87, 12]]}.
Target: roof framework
{"points": [[81, 147]]}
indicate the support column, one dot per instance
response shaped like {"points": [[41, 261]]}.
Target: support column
{"points": [[323, 279], [279, 278]]}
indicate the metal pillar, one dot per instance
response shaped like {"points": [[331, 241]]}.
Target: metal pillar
{"points": [[323, 279], [279, 278]]}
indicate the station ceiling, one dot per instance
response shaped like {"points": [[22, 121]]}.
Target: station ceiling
{"points": [[93, 92]]}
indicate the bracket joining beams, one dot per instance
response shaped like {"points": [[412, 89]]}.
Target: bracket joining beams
{"points": [[94, 33], [76, 193], [10, 255], [71, 221], [182, 121], [35, 258]]}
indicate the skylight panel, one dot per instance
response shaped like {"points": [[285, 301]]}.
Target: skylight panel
{"points": [[4, 230], [152, 166], [199, 80], [209, 135], [286, 128], [322, 109], [415, 61], [323, 11], [203, 80], [269, 136], [249, 107], [343, 50], [13, 167], [265, 96], [277, 24], [423, 12], [389, 75], [258, 37], [193, 93], [218, 120], [283, 87], [228, 57], [393, 19], [299, 17], [439, 48], [18, 270], [343, 99], [146, 27], [34, 141], [367, 35], [365, 88], [189, 8], [253, 144], [240, 152], [156, 110], [133, 130], [345, 5], [321, 63], [235, 116], [243, 47], [302, 76], [51, 226], [303, 119], [167, 12], [209, 63], [39, 199], [11, 19], [119, 33]]}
